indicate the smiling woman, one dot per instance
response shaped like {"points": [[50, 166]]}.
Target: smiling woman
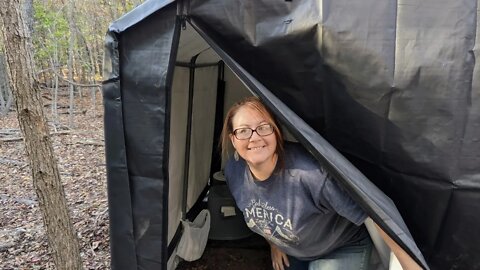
{"points": [[287, 197], [258, 151], [254, 134]]}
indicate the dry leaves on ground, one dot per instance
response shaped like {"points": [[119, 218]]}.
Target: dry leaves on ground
{"points": [[81, 161]]}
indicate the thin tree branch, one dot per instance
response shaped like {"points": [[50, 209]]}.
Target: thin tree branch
{"points": [[67, 80]]}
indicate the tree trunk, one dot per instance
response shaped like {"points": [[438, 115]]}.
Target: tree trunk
{"points": [[46, 178], [70, 64], [28, 9], [5, 93], [124, 6], [54, 89]]}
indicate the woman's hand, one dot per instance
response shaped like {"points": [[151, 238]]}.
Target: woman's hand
{"points": [[279, 259]]}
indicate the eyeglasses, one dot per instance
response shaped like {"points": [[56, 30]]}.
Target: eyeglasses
{"points": [[246, 133]]}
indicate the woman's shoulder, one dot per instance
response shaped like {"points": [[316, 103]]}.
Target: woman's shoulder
{"points": [[234, 168], [297, 155], [303, 167]]}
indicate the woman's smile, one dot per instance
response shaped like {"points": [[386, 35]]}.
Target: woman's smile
{"points": [[256, 148]]}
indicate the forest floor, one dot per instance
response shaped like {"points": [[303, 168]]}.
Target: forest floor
{"points": [[81, 160]]}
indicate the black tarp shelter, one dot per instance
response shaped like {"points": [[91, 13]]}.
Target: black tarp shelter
{"points": [[384, 90]]}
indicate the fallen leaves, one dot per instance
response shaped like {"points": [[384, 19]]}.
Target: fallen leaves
{"points": [[81, 161]]}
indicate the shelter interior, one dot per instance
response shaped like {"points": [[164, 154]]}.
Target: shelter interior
{"points": [[203, 89]]}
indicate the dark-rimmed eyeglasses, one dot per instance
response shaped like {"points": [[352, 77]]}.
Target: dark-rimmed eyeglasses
{"points": [[246, 133]]}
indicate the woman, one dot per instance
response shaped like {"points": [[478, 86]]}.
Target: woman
{"points": [[287, 197]]}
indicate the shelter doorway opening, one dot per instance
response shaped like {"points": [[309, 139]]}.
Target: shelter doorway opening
{"points": [[203, 88]]}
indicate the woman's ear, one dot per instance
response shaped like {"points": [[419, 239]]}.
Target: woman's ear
{"points": [[232, 139]]}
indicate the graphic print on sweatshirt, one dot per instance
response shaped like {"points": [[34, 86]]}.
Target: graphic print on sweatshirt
{"points": [[266, 220]]}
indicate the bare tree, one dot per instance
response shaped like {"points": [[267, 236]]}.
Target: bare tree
{"points": [[46, 178], [71, 23], [28, 9], [6, 97]]}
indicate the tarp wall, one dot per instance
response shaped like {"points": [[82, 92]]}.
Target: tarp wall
{"points": [[391, 84], [136, 102], [388, 83]]}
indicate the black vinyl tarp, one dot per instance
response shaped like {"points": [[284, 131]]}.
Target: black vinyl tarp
{"points": [[392, 85], [136, 131]]}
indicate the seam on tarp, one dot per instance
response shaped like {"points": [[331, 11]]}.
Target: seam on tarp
{"points": [[443, 219], [394, 68], [392, 89]]}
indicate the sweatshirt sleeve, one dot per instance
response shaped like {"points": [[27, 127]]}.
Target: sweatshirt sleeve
{"points": [[339, 201]]}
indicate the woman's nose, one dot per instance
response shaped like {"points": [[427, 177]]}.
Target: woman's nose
{"points": [[254, 134]]}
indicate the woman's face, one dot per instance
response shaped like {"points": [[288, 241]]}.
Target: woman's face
{"points": [[257, 150]]}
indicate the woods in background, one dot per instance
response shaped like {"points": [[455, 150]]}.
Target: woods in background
{"points": [[68, 44], [51, 48]]}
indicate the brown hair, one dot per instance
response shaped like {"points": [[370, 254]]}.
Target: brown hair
{"points": [[255, 104]]}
